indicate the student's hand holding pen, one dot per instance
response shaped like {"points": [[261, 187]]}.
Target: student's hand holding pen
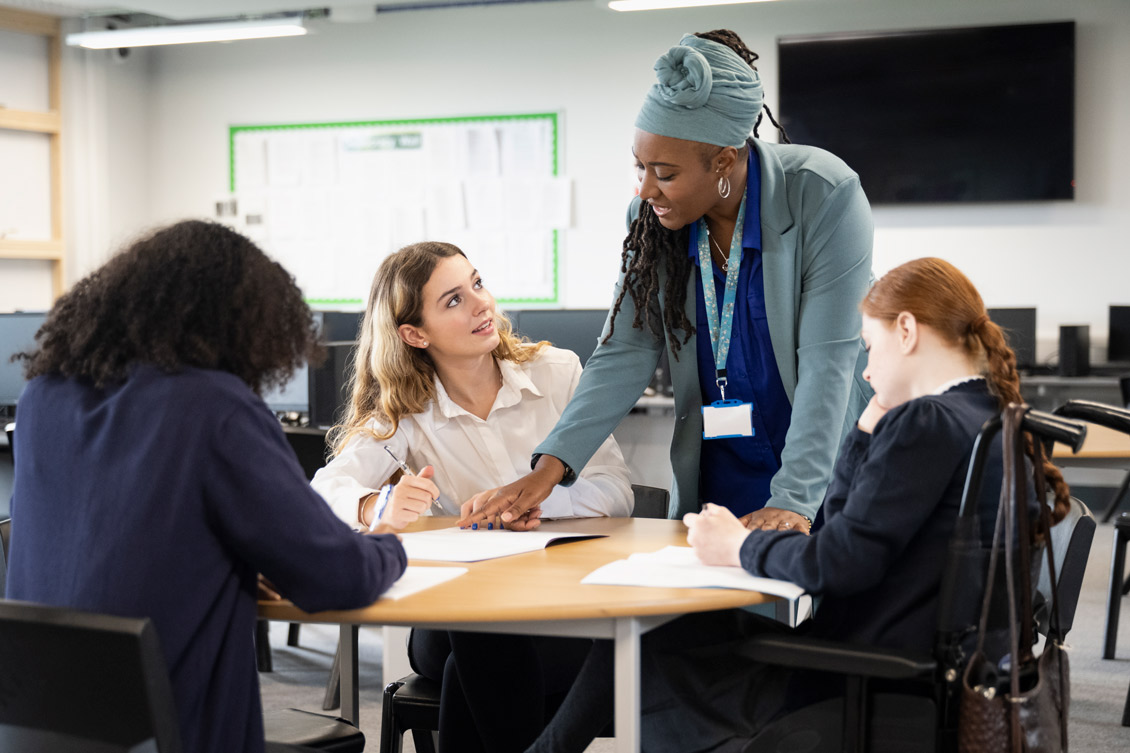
{"points": [[410, 498]]}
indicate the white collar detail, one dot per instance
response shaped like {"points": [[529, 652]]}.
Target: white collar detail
{"points": [[943, 388]]}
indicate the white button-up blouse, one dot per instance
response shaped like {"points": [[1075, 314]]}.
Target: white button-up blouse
{"points": [[471, 454]]}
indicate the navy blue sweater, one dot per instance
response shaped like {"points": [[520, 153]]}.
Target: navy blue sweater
{"points": [[889, 513], [163, 497]]}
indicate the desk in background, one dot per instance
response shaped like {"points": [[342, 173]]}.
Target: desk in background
{"points": [[1048, 392], [541, 593], [1105, 449]]}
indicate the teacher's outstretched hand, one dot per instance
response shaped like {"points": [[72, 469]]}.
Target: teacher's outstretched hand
{"points": [[514, 500]]}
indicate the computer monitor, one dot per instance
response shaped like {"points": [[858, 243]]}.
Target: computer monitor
{"points": [[335, 327], [1019, 325], [294, 396], [570, 329], [17, 335], [340, 326], [329, 385]]}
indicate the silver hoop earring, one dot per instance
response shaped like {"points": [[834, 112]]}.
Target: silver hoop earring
{"points": [[723, 186]]}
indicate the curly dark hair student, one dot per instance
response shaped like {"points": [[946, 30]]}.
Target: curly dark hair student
{"points": [[648, 242], [191, 294]]}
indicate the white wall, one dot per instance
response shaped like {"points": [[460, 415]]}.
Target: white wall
{"points": [[166, 120], [25, 201]]}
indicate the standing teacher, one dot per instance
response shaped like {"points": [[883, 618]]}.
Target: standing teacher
{"points": [[746, 260]]}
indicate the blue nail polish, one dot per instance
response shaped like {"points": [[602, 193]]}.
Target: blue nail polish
{"points": [[490, 526], [474, 526]]}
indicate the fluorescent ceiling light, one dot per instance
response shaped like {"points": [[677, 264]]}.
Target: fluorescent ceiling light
{"points": [[623, 5], [226, 31]]}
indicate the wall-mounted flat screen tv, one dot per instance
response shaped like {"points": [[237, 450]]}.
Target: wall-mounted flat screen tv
{"points": [[939, 115]]}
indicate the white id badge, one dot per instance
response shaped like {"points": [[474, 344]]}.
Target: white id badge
{"points": [[724, 419]]}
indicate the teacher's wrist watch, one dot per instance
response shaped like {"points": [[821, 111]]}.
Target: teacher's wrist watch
{"points": [[569, 476]]}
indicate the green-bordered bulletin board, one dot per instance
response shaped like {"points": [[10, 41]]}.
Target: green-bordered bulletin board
{"points": [[331, 200]]}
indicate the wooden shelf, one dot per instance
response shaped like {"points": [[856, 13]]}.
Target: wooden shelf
{"points": [[25, 120], [26, 22], [49, 123], [41, 250]]}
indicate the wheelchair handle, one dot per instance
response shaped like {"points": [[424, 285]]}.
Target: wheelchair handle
{"points": [[1097, 413], [1044, 426]]}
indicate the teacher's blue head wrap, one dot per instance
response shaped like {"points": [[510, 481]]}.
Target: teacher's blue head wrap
{"points": [[704, 92]]}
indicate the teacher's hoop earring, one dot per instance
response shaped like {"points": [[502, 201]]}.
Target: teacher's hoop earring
{"points": [[723, 186]]}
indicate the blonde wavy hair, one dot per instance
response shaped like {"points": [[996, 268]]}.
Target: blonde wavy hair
{"points": [[390, 378]]}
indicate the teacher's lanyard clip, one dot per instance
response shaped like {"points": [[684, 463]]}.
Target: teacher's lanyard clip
{"points": [[721, 381]]}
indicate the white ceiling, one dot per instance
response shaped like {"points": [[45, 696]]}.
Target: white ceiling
{"points": [[183, 10]]}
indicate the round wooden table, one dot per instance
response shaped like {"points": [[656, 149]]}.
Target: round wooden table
{"points": [[541, 593]]}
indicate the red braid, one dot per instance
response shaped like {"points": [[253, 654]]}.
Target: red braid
{"points": [[940, 296]]}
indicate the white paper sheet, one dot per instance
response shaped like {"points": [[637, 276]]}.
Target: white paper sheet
{"points": [[679, 567], [464, 545], [416, 579]]}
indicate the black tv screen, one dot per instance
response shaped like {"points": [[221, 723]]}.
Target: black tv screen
{"points": [[939, 115]]}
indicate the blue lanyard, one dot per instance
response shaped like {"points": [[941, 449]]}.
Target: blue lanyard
{"points": [[720, 330]]}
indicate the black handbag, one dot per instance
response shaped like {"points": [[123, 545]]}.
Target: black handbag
{"points": [[1021, 708]]}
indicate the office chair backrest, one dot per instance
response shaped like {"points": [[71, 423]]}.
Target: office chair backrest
{"points": [[1071, 546], [650, 501], [76, 682]]}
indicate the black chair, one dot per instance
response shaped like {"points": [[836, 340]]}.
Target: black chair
{"points": [[76, 681], [1119, 420], [1115, 594], [1071, 546], [79, 682], [1119, 583], [899, 700], [1110, 420], [649, 501], [412, 702]]}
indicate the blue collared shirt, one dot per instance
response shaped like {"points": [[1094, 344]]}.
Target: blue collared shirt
{"points": [[736, 472]]}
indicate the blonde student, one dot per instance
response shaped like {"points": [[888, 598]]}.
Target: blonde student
{"points": [[442, 381], [442, 385]]}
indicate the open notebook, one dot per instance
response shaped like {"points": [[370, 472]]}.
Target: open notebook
{"points": [[465, 545], [679, 567]]}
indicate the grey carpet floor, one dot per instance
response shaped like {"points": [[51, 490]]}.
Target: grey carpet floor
{"points": [[1098, 687]]}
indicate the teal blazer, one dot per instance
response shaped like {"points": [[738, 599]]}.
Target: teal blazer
{"points": [[817, 235]]}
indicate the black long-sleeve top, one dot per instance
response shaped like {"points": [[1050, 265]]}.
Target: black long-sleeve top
{"points": [[164, 496], [889, 514]]}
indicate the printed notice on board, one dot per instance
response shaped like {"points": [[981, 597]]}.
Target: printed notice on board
{"points": [[330, 201]]}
